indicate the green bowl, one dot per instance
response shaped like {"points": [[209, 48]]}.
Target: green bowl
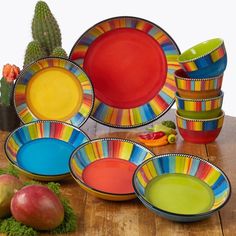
{"points": [[200, 115], [158, 183], [199, 108]]}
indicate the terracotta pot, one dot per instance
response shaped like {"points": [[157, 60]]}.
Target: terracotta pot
{"points": [[8, 118]]}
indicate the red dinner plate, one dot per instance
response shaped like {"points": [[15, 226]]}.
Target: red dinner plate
{"points": [[131, 63]]}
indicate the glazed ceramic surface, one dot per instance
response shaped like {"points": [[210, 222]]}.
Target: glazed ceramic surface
{"points": [[181, 175], [53, 89], [199, 130], [199, 108], [41, 150], [197, 88], [207, 59], [105, 167], [124, 55]]}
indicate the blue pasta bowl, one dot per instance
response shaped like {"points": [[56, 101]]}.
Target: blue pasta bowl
{"points": [[41, 150]]}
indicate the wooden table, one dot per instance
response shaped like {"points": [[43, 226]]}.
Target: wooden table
{"points": [[131, 218]]}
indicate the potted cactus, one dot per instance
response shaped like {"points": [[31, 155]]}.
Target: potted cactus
{"points": [[8, 116]]}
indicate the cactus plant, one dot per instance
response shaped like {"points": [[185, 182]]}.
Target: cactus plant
{"points": [[33, 52], [45, 28], [10, 72], [6, 91], [59, 52]]}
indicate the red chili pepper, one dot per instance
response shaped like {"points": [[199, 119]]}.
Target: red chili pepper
{"points": [[152, 136], [155, 142]]}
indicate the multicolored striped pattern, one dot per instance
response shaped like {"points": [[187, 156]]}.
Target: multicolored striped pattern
{"points": [[199, 105], [206, 60], [106, 148], [184, 164], [195, 85], [152, 110], [200, 125], [42, 129], [23, 110]]}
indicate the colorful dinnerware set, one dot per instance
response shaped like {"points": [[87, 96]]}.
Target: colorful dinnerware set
{"points": [[106, 79], [199, 97]]}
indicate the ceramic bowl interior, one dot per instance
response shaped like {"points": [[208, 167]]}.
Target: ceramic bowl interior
{"points": [[105, 167], [41, 150], [197, 88], [177, 166], [200, 50], [199, 108], [199, 130]]}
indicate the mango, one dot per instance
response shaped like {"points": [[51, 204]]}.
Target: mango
{"points": [[9, 184]]}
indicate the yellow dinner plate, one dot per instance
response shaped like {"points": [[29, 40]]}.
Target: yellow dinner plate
{"points": [[53, 89]]}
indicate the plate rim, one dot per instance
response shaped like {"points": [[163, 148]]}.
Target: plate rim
{"points": [[37, 119], [142, 123]]}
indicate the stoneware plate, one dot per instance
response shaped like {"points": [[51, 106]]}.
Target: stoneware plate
{"points": [[131, 63], [53, 89]]}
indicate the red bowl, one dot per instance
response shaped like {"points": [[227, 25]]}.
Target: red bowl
{"points": [[199, 130], [202, 137]]}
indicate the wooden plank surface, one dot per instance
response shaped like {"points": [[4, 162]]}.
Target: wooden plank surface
{"points": [[131, 218], [223, 154]]}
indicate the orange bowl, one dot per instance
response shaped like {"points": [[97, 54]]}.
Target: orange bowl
{"points": [[197, 88]]}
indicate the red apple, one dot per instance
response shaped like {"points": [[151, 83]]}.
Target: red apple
{"points": [[38, 207], [9, 184]]}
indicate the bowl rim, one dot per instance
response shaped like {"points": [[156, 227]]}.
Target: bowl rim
{"points": [[105, 139], [221, 43], [185, 155], [178, 77], [31, 123], [221, 95], [200, 120]]}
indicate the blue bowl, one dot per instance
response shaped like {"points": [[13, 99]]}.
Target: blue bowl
{"points": [[204, 60], [41, 150], [193, 182], [213, 70]]}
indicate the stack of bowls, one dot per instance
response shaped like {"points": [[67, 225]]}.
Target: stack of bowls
{"points": [[199, 97]]}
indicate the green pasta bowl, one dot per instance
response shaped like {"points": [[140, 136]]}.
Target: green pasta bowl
{"points": [[181, 187]]}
